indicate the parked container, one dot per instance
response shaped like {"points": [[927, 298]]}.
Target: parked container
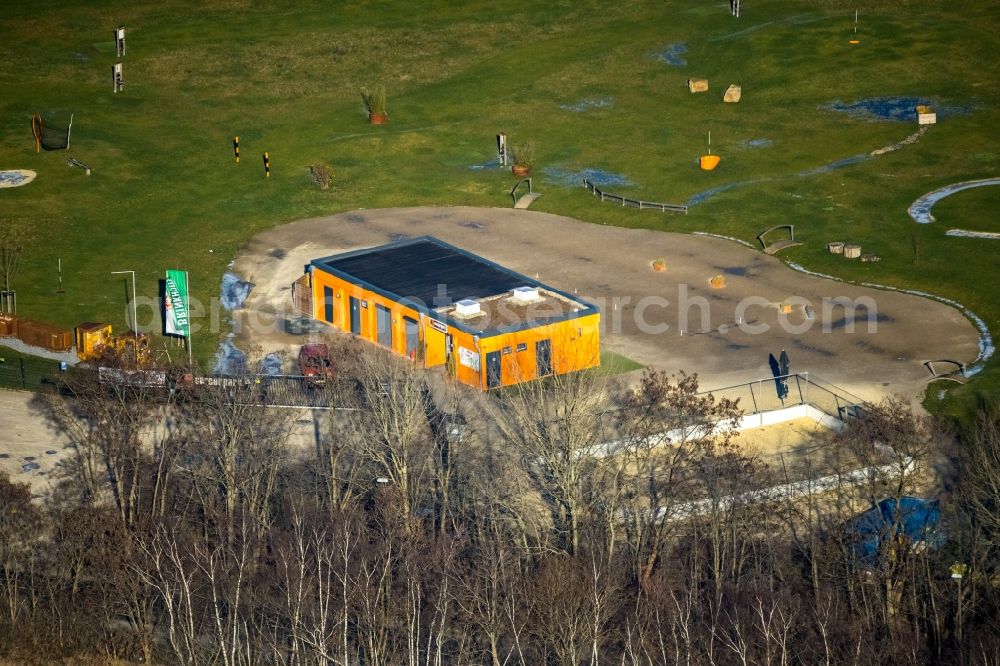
{"points": [[91, 339], [8, 325], [46, 336]]}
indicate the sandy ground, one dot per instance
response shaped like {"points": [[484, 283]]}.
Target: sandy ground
{"points": [[25, 432], [611, 267], [781, 437], [27, 435]]}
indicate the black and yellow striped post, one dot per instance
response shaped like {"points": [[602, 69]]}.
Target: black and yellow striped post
{"points": [[236, 148], [267, 166]]}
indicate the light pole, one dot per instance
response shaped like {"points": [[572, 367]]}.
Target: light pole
{"points": [[959, 570], [135, 317]]}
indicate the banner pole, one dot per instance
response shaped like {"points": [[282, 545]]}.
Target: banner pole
{"points": [[187, 278]]}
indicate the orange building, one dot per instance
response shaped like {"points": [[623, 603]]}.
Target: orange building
{"points": [[440, 305]]}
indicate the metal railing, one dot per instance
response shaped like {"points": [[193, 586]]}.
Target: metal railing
{"points": [[634, 203], [517, 185], [801, 388]]}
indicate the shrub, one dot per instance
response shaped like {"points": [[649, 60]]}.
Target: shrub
{"points": [[524, 154], [322, 175], [374, 99]]}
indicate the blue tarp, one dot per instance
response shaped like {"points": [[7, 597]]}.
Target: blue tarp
{"points": [[913, 518]]}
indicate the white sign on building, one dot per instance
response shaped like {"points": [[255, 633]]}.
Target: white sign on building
{"points": [[468, 358]]}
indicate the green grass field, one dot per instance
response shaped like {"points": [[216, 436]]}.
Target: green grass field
{"points": [[166, 193]]}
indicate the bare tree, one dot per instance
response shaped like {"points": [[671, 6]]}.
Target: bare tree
{"points": [[168, 569], [20, 529], [666, 429], [109, 420], [556, 427], [14, 236], [388, 431], [487, 595], [234, 446]]}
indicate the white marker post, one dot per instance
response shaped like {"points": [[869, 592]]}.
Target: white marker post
{"points": [[120, 41], [502, 148], [117, 78]]}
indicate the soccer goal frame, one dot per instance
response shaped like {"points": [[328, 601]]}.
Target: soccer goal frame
{"points": [[47, 137]]}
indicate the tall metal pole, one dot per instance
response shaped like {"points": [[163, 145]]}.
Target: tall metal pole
{"points": [[187, 279], [135, 317]]}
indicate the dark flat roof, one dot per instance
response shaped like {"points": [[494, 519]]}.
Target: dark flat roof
{"points": [[432, 273], [428, 270]]}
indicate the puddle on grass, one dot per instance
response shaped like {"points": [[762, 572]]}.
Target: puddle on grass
{"points": [[492, 164], [898, 109], [702, 197], [880, 108], [672, 55], [598, 177], [965, 233], [229, 360], [271, 365], [589, 104], [234, 291], [920, 210], [12, 178], [827, 168]]}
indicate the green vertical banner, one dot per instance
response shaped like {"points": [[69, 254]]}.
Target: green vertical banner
{"points": [[175, 304]]}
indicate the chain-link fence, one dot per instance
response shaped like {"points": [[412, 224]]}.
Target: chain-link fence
{"points": [[288, 391], [19, 372]]}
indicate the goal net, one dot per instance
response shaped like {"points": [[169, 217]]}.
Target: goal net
{"points": [[49, 136]]}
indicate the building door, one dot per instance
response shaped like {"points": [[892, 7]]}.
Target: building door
{"points": [[449, 355], [355, 316], [543, 358], [412, 337], [494, 375], [383, 326], [328, 304]]}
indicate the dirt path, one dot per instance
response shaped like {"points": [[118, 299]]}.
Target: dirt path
{"points": [[654, 318]]}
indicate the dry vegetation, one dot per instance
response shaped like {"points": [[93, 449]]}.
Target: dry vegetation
{"points": [[510, 534]]}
